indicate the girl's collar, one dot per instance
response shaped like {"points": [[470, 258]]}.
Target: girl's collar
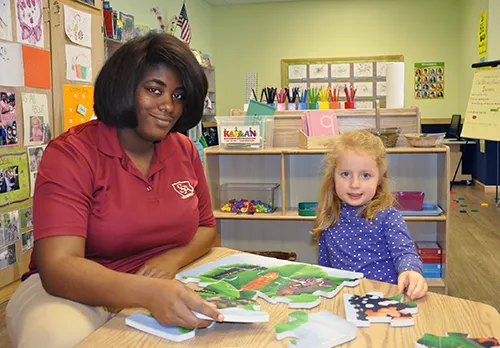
{"points": [[350, 211]]}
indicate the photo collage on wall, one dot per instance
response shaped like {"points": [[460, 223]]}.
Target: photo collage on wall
{"points": [[429, 80]]}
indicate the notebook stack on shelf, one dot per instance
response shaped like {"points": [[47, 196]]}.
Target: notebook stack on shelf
{"points": [[431, 255]]}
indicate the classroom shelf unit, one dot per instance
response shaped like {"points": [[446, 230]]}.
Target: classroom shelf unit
{"points": [[298, 171]]}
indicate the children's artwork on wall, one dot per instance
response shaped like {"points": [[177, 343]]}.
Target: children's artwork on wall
{"points": [[27, 241], [363, 69], [374, 308], [29, 23], [318, 71], [363, 89], [381, 69], [429, 80], [340, 71], [8, 256], [5, 20], [250, 276], [35, 114], [319, 330], [78, 63], [36, 67], [78, 26], [26, 218], [455, 340], [14, 177], [297, 72], [35, 154], [11, 65], [8, 119], [78, 105], [10, 227], [381, 89], [128, 26]]}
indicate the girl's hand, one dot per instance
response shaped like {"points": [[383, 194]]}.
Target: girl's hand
{"points": [[172, 303], [414, 283]]}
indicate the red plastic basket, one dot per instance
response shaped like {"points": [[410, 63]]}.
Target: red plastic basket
{"points": [[408, 200]]}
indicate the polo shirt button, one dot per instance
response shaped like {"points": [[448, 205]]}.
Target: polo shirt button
{"points": [[149, 188]]}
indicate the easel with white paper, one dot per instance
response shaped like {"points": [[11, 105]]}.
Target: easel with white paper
{"points": [[482, 118]]}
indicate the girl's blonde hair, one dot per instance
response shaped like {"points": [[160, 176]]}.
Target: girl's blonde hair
{"points": [[367, 144]]}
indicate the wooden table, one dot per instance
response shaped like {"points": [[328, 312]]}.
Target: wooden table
{"points": [[437, 315]]}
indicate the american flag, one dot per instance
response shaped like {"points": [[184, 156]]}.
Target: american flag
{"points": [[183, 22]]}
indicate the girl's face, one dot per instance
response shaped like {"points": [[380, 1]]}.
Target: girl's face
{"points": [[356, 178], [35, 123]]}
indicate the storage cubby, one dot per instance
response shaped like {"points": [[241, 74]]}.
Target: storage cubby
{"points": [[298, 171]]}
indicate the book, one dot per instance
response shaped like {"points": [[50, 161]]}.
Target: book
{"points": [[428, 248]]}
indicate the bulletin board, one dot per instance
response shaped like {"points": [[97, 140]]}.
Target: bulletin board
{"points": [[367, 74], [38, 72]]}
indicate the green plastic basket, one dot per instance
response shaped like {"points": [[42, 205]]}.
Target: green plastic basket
{"points": [[307, 208]]}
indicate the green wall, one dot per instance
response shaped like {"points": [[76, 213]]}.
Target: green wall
{"points": [[255, 37], [470, 12], [199, 14]]}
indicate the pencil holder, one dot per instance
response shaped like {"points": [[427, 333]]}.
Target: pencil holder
{"points": [[349, 105], [281, 106], [313, 106], [335, 105], [292, 106], [271, 105], [324, 105], [302, 106]]}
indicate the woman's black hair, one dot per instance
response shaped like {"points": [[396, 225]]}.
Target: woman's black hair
{"points": [[116, 85]]}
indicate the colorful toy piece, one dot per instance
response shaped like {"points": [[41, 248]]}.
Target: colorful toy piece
{"points": [[454, 340], [484, 204], [319, 330], [373, 308]]}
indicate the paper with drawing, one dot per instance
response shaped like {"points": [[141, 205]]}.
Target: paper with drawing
{"points": [[78, 63], [77, 25], [29, 23]]}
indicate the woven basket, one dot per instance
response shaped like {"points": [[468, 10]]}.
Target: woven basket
{"points": [[389, 136], [282, 255]]}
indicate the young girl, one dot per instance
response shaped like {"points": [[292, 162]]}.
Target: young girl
{"points": [[36, 129], [356, 226]]}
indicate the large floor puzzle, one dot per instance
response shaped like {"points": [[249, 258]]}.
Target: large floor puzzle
{"points": [[456, 340], [319, 330], [374, 308], [248, 276]]}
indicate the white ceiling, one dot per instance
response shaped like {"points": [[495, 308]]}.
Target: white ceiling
{"points": [[236, 2]]}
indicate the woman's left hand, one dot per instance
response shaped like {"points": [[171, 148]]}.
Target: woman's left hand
{"points": [[415, 284]]}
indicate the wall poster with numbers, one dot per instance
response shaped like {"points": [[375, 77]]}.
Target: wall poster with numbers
{"points": [[366, 74]]}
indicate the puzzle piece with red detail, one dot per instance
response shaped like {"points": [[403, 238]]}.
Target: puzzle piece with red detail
{"points": [[374, 308]]}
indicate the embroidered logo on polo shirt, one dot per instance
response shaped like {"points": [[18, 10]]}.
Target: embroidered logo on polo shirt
{"points": [[183, 188]]}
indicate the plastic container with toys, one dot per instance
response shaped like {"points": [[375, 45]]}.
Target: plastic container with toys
{"points": [[245, 133], [247, 198]]}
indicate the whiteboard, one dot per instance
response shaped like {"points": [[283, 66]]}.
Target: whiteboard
{"points": [[482, 118]]}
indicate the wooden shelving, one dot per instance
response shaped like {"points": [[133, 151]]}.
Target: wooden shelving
{"points": [[292, 214], [298, 171]]}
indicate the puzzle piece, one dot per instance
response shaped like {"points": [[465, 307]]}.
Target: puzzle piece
{"points": [[319, 330], [147, 323], [249, 276], [373, 308], [455, 340], [237, 310]]}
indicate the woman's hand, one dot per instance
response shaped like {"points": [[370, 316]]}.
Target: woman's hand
{"points": [[152, 269], [172, 303], [415, 284]]}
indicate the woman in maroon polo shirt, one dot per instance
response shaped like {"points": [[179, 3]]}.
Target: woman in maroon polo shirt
{"points": [[120, 203]]}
